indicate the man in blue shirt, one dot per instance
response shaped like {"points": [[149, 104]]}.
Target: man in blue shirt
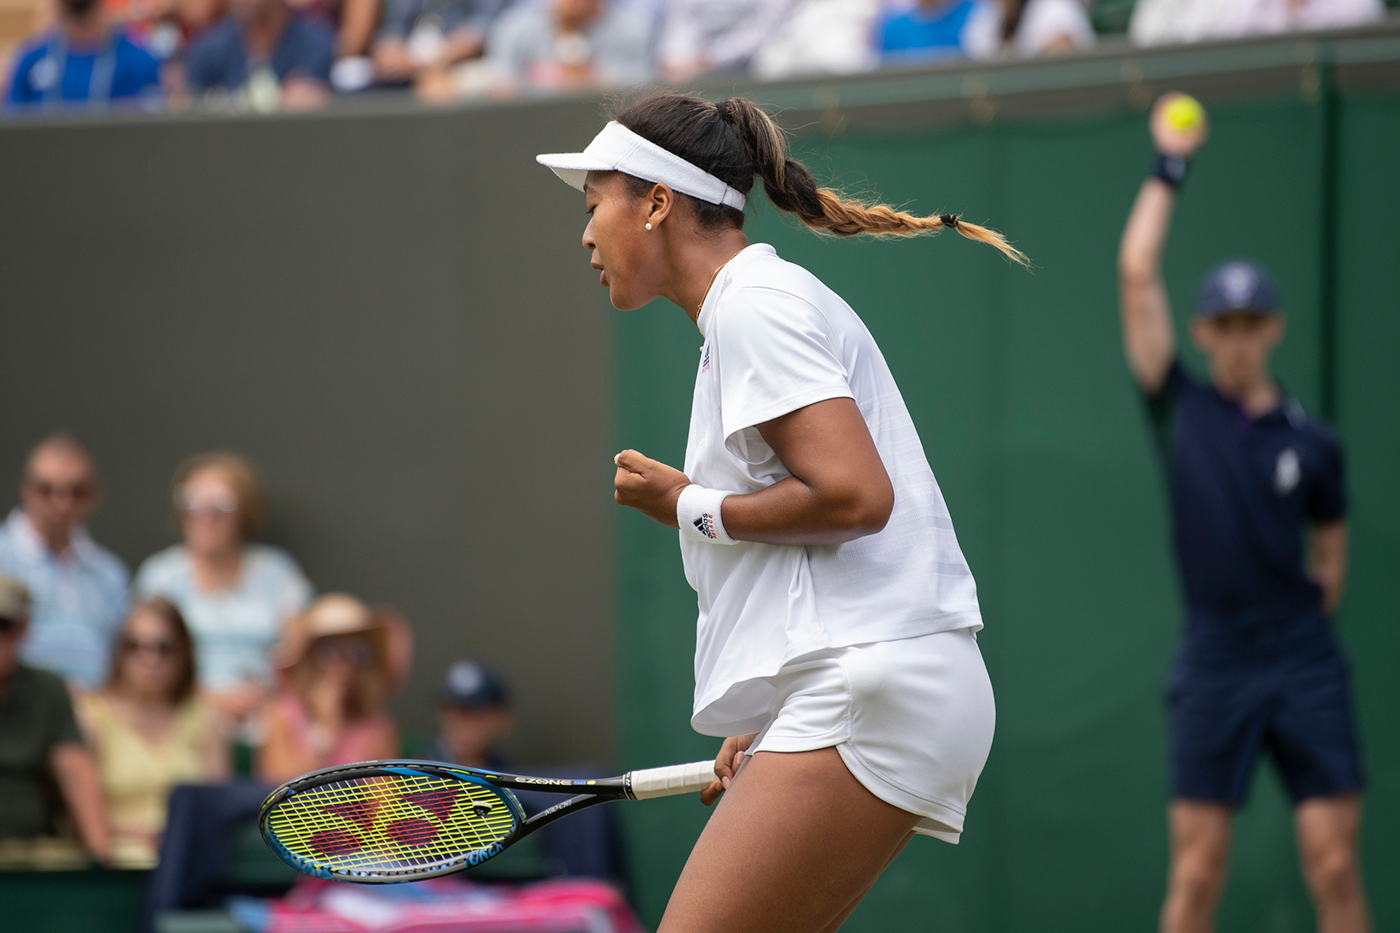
{"points": [[456, 31], [265, 55], [931, 29], [1258, 667], [79, 588], [82, 61]]}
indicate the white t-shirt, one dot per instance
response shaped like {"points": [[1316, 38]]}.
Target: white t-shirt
{"points": [[1042, 23], [776, 340], [1159, 22], [234, 630]]}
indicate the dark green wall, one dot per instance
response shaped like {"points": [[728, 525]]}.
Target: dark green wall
{"points": [[1368, 389], [1017, 385]]}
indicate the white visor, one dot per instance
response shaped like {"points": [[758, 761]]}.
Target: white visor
{"points": [[618, 149]]}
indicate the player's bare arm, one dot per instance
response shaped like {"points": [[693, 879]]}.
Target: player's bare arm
{"points": [[1149, 342], [1329, 562], [839, 489]]}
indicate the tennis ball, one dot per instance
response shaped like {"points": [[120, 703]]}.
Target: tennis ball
{"points": [[1185, 113]]}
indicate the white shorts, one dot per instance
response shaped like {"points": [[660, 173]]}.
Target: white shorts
{"points": [[912, 719]]}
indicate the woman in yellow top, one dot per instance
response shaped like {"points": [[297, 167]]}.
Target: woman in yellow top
{"points": [[150, 730]]}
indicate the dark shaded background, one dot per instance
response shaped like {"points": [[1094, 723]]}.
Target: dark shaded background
{"points": [[366, 307]]}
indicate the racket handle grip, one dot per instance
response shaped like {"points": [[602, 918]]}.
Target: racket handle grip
{"points": [[672, 780]]}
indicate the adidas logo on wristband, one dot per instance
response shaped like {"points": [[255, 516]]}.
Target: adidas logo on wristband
{"points": [[699, 517]]}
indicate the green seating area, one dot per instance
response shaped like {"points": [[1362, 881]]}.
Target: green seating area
{"points": [[92, 900], [97, 900]]}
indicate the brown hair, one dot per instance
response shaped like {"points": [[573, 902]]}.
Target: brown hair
{"points": [[184, 645], [242, 476], [736, 141]]}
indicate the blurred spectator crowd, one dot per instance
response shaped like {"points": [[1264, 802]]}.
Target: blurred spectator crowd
{"points": [[267, 55], [116, 690]]}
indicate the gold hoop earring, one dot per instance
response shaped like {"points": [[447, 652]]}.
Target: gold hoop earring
{"points": [[648, 226]]}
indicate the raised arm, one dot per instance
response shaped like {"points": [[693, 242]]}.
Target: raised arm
{"points": [[1148, 339]]}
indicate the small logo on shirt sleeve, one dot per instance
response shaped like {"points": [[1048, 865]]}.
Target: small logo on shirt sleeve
{"points": [[705, 524], [705, 360], [1287, 471]]}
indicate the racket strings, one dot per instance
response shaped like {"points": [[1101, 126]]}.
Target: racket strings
{"points": [[390, 823]]}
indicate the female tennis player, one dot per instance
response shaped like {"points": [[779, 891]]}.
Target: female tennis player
{"points": [[835, 645]]}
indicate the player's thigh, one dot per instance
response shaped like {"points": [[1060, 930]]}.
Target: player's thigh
{"points": [[1200, 835], [793, 842], [1328, 827], [835, 923]]}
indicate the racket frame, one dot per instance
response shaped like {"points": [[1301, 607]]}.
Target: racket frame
{"points": [[587, 793]]}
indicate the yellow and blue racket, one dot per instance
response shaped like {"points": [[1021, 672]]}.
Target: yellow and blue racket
{"points": [[379, 822]]}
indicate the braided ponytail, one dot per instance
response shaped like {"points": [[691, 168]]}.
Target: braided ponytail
{"points": [[736, 140]]}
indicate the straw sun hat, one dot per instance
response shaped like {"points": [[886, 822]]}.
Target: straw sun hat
{"points": [[336, 614]]}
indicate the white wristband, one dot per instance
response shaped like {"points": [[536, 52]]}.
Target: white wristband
{"points": [[698, 513]]}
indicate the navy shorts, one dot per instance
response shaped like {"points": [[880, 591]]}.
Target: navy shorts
{"points": [[1279, 687]]}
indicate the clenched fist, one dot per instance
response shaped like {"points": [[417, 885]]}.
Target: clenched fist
{"points": [[649, 486]]}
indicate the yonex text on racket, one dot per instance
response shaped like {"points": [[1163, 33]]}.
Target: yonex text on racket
{"points": [[378, 822]]}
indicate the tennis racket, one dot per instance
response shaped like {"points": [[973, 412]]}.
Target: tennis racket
{"points": [[379, 822]]}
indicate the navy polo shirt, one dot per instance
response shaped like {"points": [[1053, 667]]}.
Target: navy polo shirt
{"points": [[1242, 491]]}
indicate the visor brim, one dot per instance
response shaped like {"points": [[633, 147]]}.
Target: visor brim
{"points": [[573, 167]]}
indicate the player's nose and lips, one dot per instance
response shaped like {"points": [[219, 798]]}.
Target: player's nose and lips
{"points": [[595, 259], [590, 242]]}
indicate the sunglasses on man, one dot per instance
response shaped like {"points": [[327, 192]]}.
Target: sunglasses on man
{"points": [[75, 491]]}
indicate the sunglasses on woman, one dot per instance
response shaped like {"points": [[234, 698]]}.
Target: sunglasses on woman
{"points": [[356, 652], [214, 506], [157, 646]]}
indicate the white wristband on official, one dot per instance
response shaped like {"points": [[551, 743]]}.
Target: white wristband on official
{"points": [[698, 512]]}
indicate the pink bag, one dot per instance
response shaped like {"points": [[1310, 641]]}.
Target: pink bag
{"points": [[451, 905]]}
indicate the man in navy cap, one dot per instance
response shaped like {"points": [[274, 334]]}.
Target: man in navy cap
{"points": [[474, 716], [1250, 471]]}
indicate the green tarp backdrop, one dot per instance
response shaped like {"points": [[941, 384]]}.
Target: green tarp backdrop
{"points": [[1017, 385]]}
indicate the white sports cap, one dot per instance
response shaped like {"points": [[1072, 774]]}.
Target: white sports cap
{"points": [[618, 149]]}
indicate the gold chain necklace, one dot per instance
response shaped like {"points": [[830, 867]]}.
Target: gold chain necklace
{"points": [[709, 285]]}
